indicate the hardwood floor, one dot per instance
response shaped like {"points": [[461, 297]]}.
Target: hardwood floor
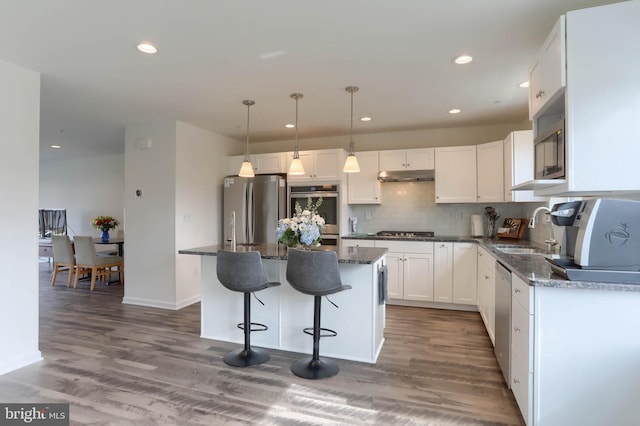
{"points": [[122, 364]]}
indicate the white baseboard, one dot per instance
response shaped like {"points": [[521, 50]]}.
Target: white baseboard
{"points": [[160, 304], [20, 362]]}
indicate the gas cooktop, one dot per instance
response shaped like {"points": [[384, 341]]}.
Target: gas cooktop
{"points": [[406, 234]]}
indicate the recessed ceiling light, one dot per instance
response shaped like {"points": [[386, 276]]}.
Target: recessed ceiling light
{"points": [[56, 146], [462, 59], [365, 118], [455, 111], [147, 48], [524, 84], [289, 126]]}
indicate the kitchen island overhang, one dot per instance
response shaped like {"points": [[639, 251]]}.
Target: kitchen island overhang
{"points": [[359, 318]]}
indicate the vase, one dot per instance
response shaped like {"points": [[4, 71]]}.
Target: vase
{"points": [[105, 236], [491, 229]]}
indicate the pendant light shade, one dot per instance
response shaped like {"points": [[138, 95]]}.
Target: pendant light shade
{"points": [[246, 170], [296, 167], [351, 164]]}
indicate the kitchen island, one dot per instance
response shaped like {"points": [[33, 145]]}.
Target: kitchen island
{"points": [[359, 320]]}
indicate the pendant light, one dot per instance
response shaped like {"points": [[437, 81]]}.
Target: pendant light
{"points": [[246, 170], [351, 164], [296, 167]]}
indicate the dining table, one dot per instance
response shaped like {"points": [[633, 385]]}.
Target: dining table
{"points": [[116, 241]]}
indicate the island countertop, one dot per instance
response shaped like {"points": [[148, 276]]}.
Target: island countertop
{"points": [[353, 255]]}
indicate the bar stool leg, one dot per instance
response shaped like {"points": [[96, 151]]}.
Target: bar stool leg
{"points": [[246, 356], [315, 367]]}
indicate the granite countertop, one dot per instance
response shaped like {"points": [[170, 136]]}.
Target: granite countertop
{"points": [[533, 269], [353, 255]]}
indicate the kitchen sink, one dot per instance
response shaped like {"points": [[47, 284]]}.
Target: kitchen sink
{"points": [[519, 250]]}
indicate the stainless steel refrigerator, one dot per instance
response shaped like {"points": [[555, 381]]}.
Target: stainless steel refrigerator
{"points": [[258, 202]]}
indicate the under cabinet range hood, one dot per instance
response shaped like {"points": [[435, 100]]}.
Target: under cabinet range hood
{"points": [[406, 175]]}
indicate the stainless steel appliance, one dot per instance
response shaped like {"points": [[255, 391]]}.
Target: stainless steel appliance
{"points": [[329, 209], [549, 153], [258, 202], [602, 240], [503, 321]]}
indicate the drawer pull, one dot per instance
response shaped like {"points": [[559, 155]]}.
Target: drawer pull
{"points": [[517, 290], [516, 329], [516, 381]]}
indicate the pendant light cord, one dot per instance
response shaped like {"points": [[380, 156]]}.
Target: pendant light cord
{"points": [[248, 103], [296, 153]]}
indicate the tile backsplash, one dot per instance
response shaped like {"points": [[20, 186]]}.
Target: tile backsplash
{"points": [[411, 206]]}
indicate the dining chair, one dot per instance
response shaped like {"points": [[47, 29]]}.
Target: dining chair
{"points": [[63, 257], [99, 266]]}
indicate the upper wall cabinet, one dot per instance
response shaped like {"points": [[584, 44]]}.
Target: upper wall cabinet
{"points": [[490, 171], [456, 174], [518, 165], [601, 103], [548, 73], [323, 165], [407, 159], [262, 163], [364, 187]]}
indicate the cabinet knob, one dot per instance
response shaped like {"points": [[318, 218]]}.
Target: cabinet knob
{"points": [[486, 277], [517, 290], [516, 329], [516, 381]]}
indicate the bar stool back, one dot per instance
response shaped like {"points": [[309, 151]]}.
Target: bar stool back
{"points": [[315, 273], [243, 272]]}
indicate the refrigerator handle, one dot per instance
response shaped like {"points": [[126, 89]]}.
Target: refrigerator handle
{"points": [[251, 215]]}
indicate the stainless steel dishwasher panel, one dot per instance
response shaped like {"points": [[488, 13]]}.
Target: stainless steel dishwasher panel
{"points": [[503, 321]]}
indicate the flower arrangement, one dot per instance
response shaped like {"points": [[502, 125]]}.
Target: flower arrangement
{"points": [[104, 223], [305, 227], [492, 216]]}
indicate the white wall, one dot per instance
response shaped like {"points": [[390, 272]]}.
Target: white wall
{"points": [[150, 235], [471, 135], [19, 140], [200, 167], [174, 181], [86, 188]]}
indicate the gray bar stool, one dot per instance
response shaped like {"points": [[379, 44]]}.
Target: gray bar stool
{"points": [[316, 273], [243, 272]]}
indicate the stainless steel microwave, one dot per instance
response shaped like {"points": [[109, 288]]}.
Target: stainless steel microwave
{"points": [[550, 153]]}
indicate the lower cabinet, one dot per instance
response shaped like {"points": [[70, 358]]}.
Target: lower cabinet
{"points": [[522, 346], [465, 276], [410, 268], [455, 273], [487, 291]]}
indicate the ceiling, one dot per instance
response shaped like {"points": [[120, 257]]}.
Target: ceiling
{"points": [[213, 55]]}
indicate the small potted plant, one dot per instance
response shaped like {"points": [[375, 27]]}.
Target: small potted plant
{"points": [[105, 223]]}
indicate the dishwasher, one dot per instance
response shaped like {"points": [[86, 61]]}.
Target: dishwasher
{"points": [[503, 320]]}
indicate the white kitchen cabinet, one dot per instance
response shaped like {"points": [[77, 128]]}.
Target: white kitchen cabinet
{"points": [[490, 170], [410, 269], [455, 174], [262, 163], [407, 159], [522, 332], [465, 276], [518, 165], [600, 105], [443, 272], [319, 166], [486, 291], [547, 75], [364, 187]]}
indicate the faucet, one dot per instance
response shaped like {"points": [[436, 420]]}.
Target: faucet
{"points": [[550, 242]]}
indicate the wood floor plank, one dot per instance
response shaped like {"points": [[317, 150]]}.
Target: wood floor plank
{"points": [[128, 365]]}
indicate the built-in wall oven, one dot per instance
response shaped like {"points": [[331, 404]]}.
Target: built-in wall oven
{"points": [[329, 209]]}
